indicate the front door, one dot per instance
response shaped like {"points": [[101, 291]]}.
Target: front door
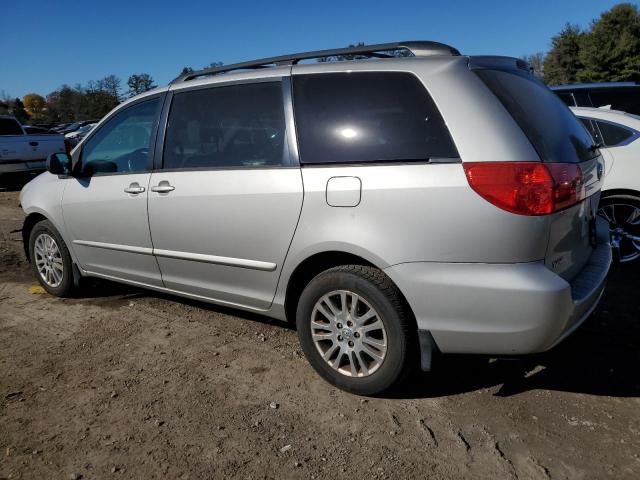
{"points": [[105, 205], [224, 207]]}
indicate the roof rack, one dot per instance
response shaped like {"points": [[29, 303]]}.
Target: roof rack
{"points": [[381, 50]]}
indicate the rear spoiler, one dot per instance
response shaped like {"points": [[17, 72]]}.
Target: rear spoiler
{"points": [[499, 63]]}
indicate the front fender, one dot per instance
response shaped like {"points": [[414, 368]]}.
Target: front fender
{"points": [[42, 198]]}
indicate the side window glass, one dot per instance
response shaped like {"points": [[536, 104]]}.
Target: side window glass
{"points": [[591, 127], [123, 143], [368, 117], [9, 126], [613, 135], [236, 126]]}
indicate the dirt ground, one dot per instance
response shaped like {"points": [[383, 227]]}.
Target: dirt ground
{"points": [[124, 383]]}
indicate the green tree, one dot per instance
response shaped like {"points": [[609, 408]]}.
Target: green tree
{"points": [[63, 104], [96, 104], [34, 104], [611, 49], [562, 63], [139, 83], [98, 98], [18, 111]]}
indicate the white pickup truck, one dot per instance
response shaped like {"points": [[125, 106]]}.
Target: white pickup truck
{"points": [[21, 152]]}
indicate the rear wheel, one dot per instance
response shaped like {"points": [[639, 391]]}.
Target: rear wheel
{"points": [[50, 259], [623, 214], [354, 329]]}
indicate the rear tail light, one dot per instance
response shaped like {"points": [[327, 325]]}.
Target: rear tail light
{"points": [[527, 188]]}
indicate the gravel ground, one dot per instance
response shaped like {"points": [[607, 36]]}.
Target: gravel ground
{"points": [[124, 383]]}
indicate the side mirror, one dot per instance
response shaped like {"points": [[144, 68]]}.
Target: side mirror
{"points": [[59, 164]]}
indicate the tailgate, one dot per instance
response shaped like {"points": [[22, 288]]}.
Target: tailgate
{"points": [[572, 232], [559, 138]]}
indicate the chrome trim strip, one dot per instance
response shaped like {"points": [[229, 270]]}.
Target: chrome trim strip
{"points": [[232, 262], [195, 257], [115, 246]]}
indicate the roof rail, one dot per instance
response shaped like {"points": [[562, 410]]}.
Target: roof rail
{"points": [[381, 50]]}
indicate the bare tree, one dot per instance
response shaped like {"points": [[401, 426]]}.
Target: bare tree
{"points": [[139, 83], [536, 61]]}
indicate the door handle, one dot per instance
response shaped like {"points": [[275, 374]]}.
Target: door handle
{"points": [[34, 144], [134, 188], [163, 187]]}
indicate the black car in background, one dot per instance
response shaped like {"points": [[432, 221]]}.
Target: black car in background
{"points": [[624, 96]]}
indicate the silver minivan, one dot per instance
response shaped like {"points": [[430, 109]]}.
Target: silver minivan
{"points": [[410, 201]]}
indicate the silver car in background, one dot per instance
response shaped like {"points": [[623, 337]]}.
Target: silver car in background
{"points": [[390, 207]]}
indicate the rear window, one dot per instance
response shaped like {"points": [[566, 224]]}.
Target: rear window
{"points": [[367, 117], [8, 126], [555, 133]]}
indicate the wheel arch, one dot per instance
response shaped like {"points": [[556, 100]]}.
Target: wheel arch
{"points": [[619, 191], [313, 265], [29, 222]]}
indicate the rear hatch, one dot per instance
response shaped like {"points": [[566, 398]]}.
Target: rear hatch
{"points": [[562, 143]]}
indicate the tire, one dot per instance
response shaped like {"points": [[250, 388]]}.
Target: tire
{"points": [[623, 214], [356, 371], [40, 238]]}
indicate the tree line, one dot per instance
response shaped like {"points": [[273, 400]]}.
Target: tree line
{"points": [[82, 102], [607, 51], [70, 104]]}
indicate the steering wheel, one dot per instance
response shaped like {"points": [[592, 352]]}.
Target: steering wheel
{"points": [[137, 159]]}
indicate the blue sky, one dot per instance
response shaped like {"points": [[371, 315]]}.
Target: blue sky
{"points": [[45, 43]]}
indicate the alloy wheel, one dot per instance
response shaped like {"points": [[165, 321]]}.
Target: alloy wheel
{"points": [[348, 333], [624, 225], [48, 260]]}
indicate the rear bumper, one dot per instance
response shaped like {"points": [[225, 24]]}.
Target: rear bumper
{"points": [[500, 308]]}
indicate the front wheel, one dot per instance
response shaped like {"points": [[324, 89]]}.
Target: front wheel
{"points": [[623, 214], [50, 259], [355, 330]]}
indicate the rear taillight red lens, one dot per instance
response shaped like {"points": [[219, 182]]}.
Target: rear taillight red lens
{"points": [[527, 188], [569, 186]]}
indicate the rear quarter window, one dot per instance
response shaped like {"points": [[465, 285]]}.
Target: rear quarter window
{"points": [[612, 134], [367, 117], [555, 133]]}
